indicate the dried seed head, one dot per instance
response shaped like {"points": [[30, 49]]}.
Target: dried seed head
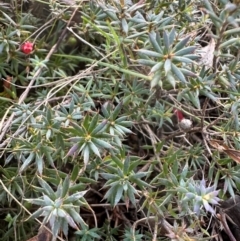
{"points": [[185, 124]]}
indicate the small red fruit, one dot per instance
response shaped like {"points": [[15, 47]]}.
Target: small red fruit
{"points": [[184, 124], [27, 47]]}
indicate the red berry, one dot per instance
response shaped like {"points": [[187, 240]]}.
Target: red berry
{"points": [[27, 47], [179, 114]]}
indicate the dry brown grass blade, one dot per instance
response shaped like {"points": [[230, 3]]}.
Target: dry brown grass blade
{"points": [[221, 147], [43, 235], [35, 238], [234, 154]]}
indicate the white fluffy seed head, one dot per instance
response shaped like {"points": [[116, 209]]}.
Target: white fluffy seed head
{"points": [[185, 124]]}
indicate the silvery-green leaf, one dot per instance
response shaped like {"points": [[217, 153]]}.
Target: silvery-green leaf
{"points": [[167, 65], [178, 73]]}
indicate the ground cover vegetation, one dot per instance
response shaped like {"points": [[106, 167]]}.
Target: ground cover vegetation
{"points": [[119, 120]]}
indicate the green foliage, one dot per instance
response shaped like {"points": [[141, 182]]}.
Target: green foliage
{"points": [[89, 139], [121, 179], [130, 235], [88, 234], [60, 208]]}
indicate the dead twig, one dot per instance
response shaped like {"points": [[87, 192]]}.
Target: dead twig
{"points": [[222, 217]]}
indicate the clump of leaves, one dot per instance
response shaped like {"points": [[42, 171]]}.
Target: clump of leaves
{"points": [[60, 208]]}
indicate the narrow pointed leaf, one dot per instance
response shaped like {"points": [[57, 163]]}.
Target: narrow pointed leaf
{"points": [[65, 186], [36, 201], [36, 214], [181, 59], [99, 127], [94, 149], [73, 150], [86, 153], [77, 218], [171, 36], [149, 53], [130, 193], [167, 65], [178, 73], [118, 195], [184, 51], [124, 25], [181, 44], [93, 123], [146, 62], [117, 110], [156, 46], [46, 187], [171, 79], [156, 79], [74, 197], [166, 40], [157, 67], [126, 165], [27, 161], [75, 173], [101, 143]]}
